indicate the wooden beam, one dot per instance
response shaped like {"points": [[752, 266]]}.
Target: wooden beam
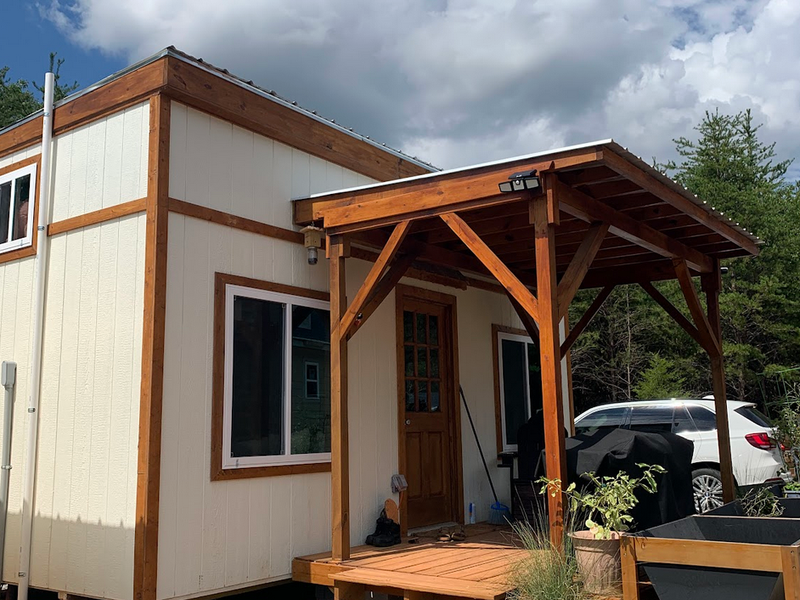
{"points": [[527, 322], [709, 340], [630, 575], [678, 200], [579, 265], [373, 277], [712, 284], [340, 446], [489, 259], [550, 357], [790, 561], [587, 208], [586, 319], [673, 312]]}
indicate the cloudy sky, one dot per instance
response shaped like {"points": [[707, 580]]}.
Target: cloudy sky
{"points": [[463, 81]]}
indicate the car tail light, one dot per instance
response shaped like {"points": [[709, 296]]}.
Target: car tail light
{"points": [[760, 440]]}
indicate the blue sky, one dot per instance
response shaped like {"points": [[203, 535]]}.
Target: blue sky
{"points": [[25, 48]]}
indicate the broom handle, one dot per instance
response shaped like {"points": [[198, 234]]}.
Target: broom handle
{"points": [[477, 441]]}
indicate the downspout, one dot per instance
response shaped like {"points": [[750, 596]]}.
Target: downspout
{"points": [[29, 475], [9, 379]]}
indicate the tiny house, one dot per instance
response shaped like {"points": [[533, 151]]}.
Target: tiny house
{"points": [[197, 428]]}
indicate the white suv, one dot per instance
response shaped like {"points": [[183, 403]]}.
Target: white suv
{"points": [[756, 456]]}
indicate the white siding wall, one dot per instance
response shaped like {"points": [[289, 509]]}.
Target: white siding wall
{"points": [[84, 508], [216, 536]]}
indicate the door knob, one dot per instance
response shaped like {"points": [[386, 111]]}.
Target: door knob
{"points": [[408, 421]]}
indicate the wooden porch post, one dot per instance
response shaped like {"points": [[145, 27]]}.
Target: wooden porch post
{"points": [[711, 284], [545, 214], [340, 455]]}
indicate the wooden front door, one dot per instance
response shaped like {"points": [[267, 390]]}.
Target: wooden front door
{"points": [[427, 412]]}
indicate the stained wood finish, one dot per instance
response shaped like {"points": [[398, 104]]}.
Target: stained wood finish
{"points": [[578, 267], [429, 435], [673, 312], [630, 577], [27, 251], [790, 560], [587, 317], [490, 260], [98, 216], [708, 337], [550, 355], [145, 560], [340, 445]]}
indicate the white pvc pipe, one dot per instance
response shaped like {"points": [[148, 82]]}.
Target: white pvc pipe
{"points": [[29, 474]]}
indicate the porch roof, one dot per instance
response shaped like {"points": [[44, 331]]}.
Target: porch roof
{"points": [[652, 219]]}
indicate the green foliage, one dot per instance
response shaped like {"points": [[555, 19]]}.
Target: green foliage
{"points": [[611, 498], [661, 380], [761, 502], [632, 349], [792, 486], [545, 573], [787, 426], [18, 99]]}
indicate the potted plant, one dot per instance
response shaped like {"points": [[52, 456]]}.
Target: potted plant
{"points": [[792, 489], [606, 503]]}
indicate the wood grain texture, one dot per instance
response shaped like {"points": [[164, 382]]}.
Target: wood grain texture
{"points": [[708, 340], [673, 312], [579, 266], [630, 576], [155, 288], [98, 216], [790, 560], [719, 555]]}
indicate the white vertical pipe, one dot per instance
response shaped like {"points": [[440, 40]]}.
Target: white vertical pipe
{"points": [[8, 375], [29, 474]]}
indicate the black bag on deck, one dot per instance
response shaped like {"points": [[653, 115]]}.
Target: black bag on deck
{"points": [[387, 532]]}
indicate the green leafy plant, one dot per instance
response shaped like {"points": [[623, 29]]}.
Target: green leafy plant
{"points": [[761, 502], [611, 499], [792, 486]]}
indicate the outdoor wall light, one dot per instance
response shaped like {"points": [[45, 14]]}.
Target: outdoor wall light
{"points": [[517, 182], [312, 240]]}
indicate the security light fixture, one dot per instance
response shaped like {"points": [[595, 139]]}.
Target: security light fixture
{"points": [[312, 240], [517, 182]]}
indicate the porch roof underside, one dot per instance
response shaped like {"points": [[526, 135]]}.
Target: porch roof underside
{"points": [[652, 220]]}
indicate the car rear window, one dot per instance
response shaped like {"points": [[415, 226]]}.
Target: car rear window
{"points": [[751, 413], [704, 419]]}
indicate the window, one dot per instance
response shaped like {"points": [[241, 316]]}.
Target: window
{"points": [[682, 422], [651, 419], [17, 193], [752, 414], [602, 420], [704, 419], [276, 390], [519, 383]]}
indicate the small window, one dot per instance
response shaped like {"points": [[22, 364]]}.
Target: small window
{"points": [[17, 195], [752, 414], [520, 384], [276, 393], [651, 419], [682, 422], [605, 420], [704, 419]]}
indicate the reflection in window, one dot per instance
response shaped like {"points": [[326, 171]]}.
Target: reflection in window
{"points": [[16, 214]]}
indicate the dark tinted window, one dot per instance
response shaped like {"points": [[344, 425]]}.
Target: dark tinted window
{"points": [[609, 418], [754, 415], [704, 419], [681, 421], [514, 382], [652, 419]]}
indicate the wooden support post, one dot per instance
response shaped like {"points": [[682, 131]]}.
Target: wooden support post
{"points": [[587, 317], [550, 351], [630, 576], [340, 452], [344, 590], [790, 561], [711, 283]]}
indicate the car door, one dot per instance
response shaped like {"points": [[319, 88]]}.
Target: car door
{"points": [[604, 419], [706, 448], [684, 426], [655, 418]]}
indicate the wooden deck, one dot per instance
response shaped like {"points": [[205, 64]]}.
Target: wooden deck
{"points": [[478, 567]]}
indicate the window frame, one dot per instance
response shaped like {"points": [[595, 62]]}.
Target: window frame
{"points": [[26, 246], [223, 466], [500, 333], [306, 364]]}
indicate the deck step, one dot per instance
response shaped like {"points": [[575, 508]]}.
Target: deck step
{"points": [[425, 584]]}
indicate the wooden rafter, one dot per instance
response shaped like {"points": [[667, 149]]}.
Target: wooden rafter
{"points": [[527, 322], [579, 266], [673, 312], [586, 319], [489, 259], [584, 207], [374, 276], [709, 340]]}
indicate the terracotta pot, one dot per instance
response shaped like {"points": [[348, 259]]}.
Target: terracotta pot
{"points": [[598, 561]]}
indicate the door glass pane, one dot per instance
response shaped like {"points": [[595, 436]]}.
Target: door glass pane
{"points": [[411, 403], [422, 337], [433, 329], [534, 378], [682, 422], [409, 360], [704, 419], [5, 210], [257, 395], [435, 397], [408, 326], [434, 362], [422, 362], [651, 419], [423, 396], [311, 415], [20, 215], [514, 392], [607, 419]]}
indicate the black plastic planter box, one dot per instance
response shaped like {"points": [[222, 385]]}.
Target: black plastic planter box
{"points": [[791, 509], [716, 558]]}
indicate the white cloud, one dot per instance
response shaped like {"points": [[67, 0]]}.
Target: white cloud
{"points": [[462, 81]]}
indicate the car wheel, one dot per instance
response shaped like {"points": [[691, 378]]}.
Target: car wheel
{"points": [[707, 488]]}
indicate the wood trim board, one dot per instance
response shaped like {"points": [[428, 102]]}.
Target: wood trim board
{"points": [[26, 251], [96, 217], [498, 410]]}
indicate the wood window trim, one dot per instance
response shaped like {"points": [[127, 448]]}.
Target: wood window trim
{"points": [[30, 250], [218, 473], [498, 400]]}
